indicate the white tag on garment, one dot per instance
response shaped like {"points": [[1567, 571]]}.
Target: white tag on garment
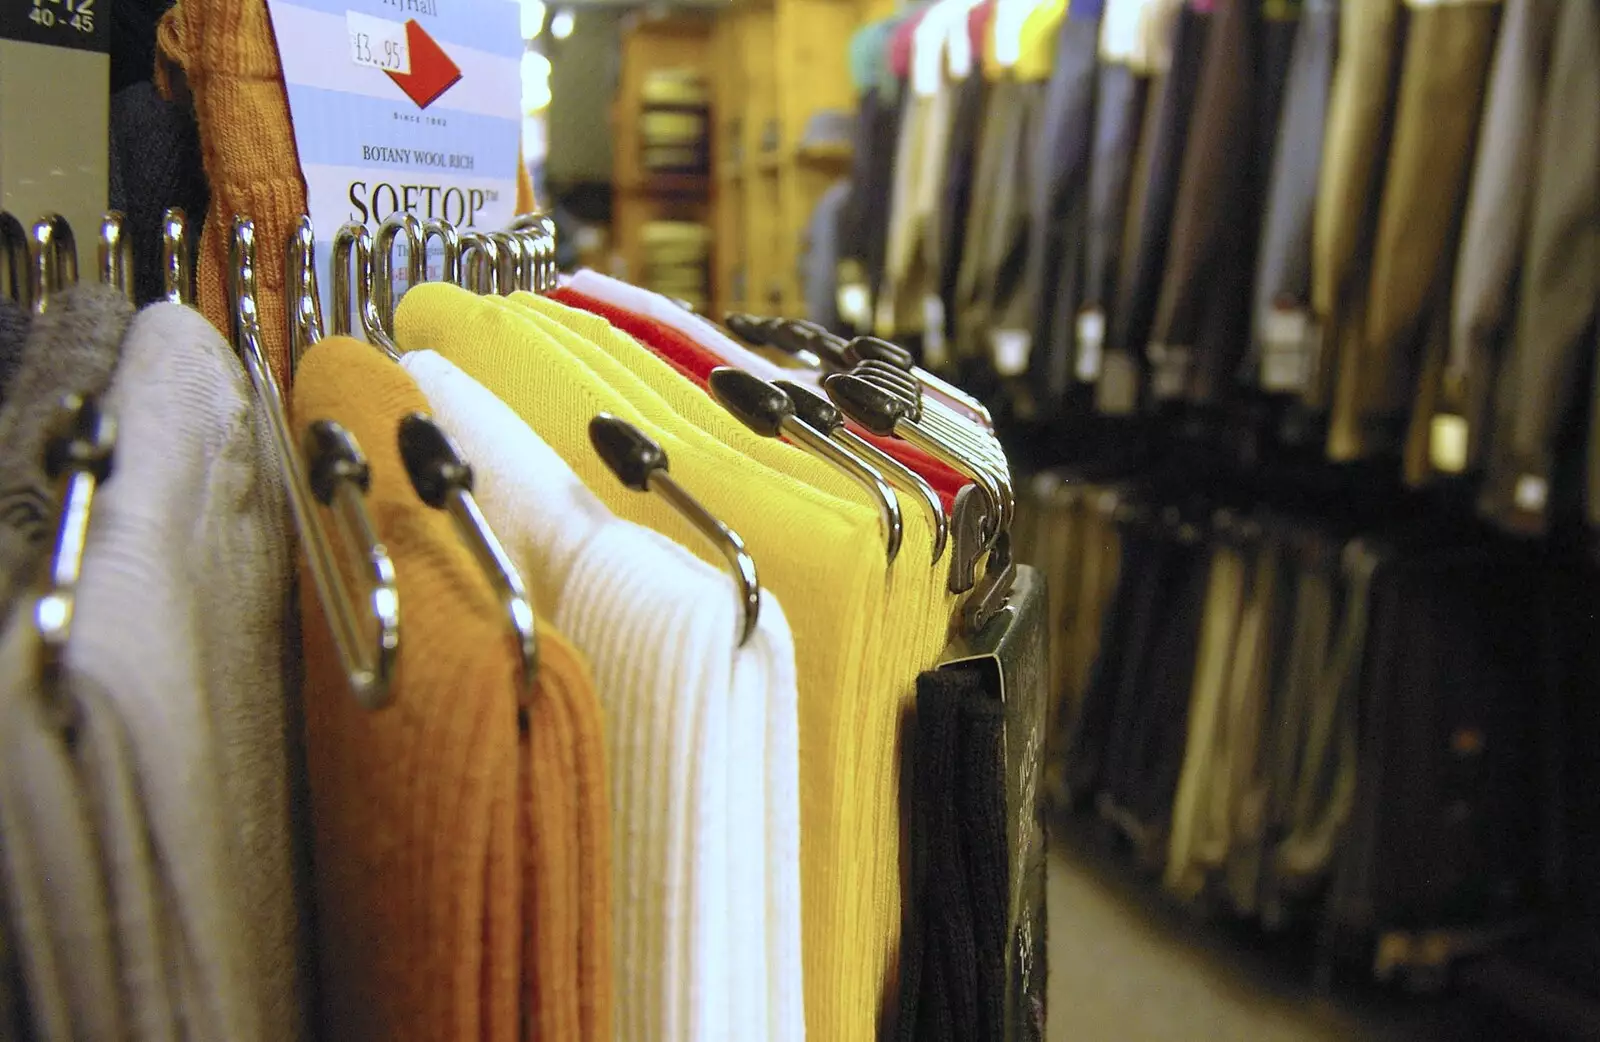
{"points": [[1447, 443], [1285, 350], [1091, 345], [1169, 375], [1531, 493], [935, 351], [1010, 348], [378, 43], [1118, 391]]}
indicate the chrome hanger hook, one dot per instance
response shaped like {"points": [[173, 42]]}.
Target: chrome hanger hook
{"points": [[55, 259], [640, 465], [352, 260], [304, 300], [769, 412], [392, 228], [480, 264], [115, 254], [512, 263], [338, 480], [449, 246], [443, 480], [16, 280], [177, 260]]}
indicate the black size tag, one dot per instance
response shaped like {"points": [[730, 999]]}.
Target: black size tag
{"points": [[82, 25]]}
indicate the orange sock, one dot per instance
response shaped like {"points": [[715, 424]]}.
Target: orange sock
{"points": [[567, 872], [229, 62], [414, 806]]}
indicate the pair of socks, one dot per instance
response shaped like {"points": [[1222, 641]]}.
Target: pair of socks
{"points": [[704, 738]]}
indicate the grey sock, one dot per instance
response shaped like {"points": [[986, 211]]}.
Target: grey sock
{"points": [[72, 348]]}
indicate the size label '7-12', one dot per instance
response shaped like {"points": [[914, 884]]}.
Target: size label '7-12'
{"points": [[78, 24]]}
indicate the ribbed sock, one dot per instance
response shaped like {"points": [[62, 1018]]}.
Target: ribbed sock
{"points": [[407, 802]]}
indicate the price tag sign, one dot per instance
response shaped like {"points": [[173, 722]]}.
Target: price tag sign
{"points": [[403, 106], [378, 43], [82, 25]]}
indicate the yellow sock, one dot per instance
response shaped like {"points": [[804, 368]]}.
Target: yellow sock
{"points": [[907, 637], [850, 714]]}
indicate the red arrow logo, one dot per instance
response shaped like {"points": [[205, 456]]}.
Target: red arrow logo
{"points": [[432, 72]]}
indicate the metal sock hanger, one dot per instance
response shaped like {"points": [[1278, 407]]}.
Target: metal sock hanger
{"points": [[641, 465], [823, 416], [365, 637], [769, 412]]}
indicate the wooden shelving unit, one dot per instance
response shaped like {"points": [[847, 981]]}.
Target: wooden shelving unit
{"points": [[771, 65], [775, 64], [640, 195]]}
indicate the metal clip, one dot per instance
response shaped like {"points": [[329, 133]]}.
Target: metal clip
{"points": [[55, 260], [444, 481], [824, 417], [116, 255], [340, 474], [640, 464], [303, 300], [15, 280], [383, 299], [480, 264], [78, 455], [177, 259], [352, 244], [768, 411]]}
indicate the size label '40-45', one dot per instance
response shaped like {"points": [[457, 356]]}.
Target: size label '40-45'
{"points": [[79, 24]]}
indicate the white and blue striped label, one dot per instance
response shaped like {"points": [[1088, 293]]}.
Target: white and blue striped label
{"points": [[403, 106]]}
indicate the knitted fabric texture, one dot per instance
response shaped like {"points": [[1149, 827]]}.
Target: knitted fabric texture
{"points": [[731, 352], [13, 334], [71, 349], [696, 363], [51, 877], [953, 984], [181, 622], [413, 806], [566, 853], [859, 639], [155, 164], [907, 637], [229, 64], [639, 606]]}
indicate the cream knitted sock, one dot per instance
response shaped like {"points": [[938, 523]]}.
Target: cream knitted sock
{"points": [[180, 621], [706, 846], [764, 674]]}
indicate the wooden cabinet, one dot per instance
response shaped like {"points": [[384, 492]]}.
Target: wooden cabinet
{"points": [[772, 67]]}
